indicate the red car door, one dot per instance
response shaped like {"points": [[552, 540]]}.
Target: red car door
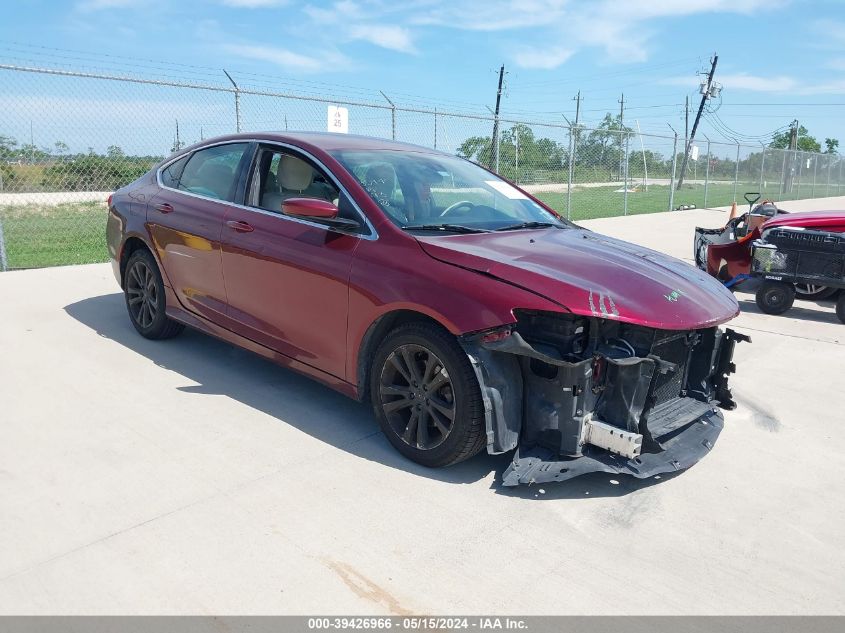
{"points": [[286, 278], [185, 220]]}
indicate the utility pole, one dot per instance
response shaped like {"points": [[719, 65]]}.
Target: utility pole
{"points": [[686, 120], [621, 127], [577, 99], [788, 176], [573, 141], [494, 147], [708, 90]]}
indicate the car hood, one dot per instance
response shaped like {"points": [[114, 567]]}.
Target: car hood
{"points": [[593, 275], [818, 220]]}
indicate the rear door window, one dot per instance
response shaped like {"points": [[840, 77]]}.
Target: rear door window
{"points": [[213, 172]]}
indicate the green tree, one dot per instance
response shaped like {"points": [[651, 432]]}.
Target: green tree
{"points": [[475, 148], [95, 173], [7, 148], [604, 146], [831, 146], [519, 148], [806, 143]]}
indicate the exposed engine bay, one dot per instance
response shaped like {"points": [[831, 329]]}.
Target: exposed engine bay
{"points": [[578, 394]]}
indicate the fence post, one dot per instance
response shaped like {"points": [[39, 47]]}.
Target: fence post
{"points": [[625, 202], [672, 179], [829, 166], [392, 116], [707, 173], [237, 103], [813, 188], [572, 141], [498, 144], [4, 264], [762, 163], [736, 171]]}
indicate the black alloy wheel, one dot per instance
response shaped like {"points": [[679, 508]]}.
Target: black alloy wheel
{"points": [[142, 294], [143, 289], [426, 396], [417, 396]]}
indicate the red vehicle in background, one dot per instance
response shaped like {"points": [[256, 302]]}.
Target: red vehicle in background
{"points": [[469, 314], [726, 253]]}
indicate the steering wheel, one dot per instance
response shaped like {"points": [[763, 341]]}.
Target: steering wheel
{"points": [[452, 207]]}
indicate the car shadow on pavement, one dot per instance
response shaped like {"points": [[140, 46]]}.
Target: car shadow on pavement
{"points": [[219, 368], [827, 313]]}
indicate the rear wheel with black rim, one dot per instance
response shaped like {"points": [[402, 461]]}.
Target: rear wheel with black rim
{"points": [[775, 297], [143, 289], [426, 396]]}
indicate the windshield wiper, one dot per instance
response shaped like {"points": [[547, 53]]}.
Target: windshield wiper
{"points": [[448, 228], [530, 225]]}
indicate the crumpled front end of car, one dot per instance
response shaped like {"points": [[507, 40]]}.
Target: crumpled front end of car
{"points": [[576, 394]]}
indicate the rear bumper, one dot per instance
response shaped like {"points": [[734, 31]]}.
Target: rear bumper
{"points": [[685, 448]]}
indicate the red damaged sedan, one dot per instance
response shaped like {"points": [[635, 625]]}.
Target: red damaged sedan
{"points": [[470, 314]]}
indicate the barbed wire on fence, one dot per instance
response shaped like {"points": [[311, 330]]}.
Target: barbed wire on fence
{"points": [[68, 138]]}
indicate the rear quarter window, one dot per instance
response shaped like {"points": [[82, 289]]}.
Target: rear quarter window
{"points": [[170, 175]]}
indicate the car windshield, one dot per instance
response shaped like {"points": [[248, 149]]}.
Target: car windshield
{"points": [[434, 192]]}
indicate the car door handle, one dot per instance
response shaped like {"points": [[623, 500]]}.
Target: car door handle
{"points": [[164, 207], [240, 226]]}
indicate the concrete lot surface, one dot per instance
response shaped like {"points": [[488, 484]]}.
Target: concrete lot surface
{"points": [[187, 476]]}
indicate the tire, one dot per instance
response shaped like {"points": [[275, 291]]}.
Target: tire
{"points": [[814, 293], [404, 387], [775, 297], [143, 290], [840, 307]]}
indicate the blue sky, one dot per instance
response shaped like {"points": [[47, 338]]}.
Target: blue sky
{"points": [[788, 57]]}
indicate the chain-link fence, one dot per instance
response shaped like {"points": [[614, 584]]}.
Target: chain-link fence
{"points": [[68, 139]]}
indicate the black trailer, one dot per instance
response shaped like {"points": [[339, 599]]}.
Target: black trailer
{"points": [[786, 256]]}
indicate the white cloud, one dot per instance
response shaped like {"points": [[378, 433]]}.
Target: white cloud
{"points": [[392, 37], [325, 60], [254, 4], [350, 21], [622, 29], [98, 5], [494, 15], [776, 84], [543, 58]]}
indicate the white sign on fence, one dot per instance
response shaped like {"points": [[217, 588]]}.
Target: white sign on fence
{"points": [[338, 120], [694, 152]]}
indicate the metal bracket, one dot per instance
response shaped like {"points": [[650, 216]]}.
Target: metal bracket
{"points": [[612, 438]]}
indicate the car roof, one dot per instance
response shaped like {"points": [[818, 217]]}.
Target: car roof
{"points": [[327, 141]]}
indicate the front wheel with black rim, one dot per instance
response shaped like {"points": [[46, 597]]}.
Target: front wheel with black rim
{"points": [[775, 297], [143, 289], [426, 396]]}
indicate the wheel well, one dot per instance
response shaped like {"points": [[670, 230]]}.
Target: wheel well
{"points": [[132, 244], [373, 337]]}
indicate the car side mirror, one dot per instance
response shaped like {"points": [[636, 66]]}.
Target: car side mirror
{"points": [[318, 210], [309, 208]]}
